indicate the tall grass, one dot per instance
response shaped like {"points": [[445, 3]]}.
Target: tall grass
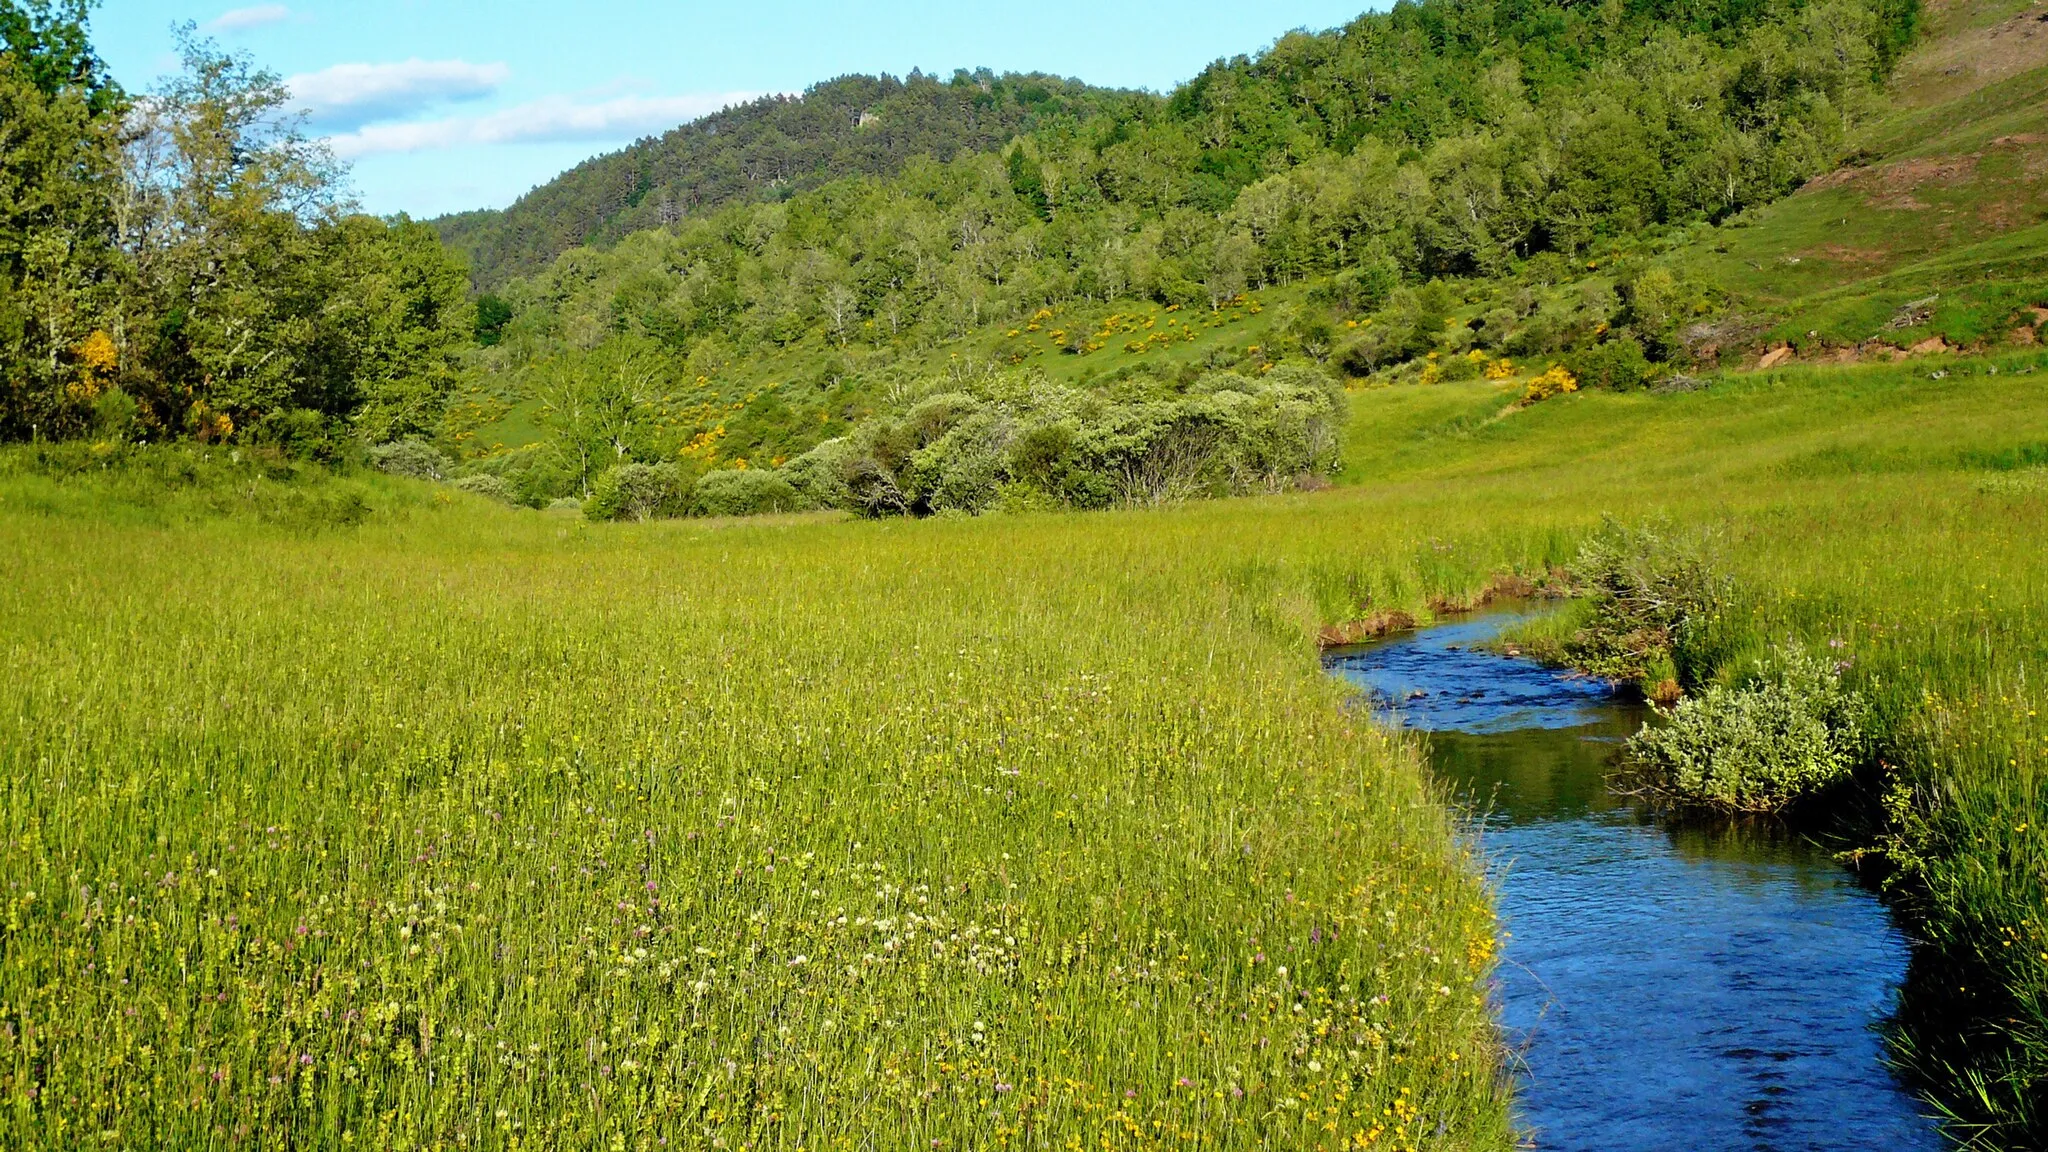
{"points": [[474, 827], [485, 829]]}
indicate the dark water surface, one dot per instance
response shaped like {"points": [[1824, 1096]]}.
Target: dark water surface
{"points": [[1671, 987]]}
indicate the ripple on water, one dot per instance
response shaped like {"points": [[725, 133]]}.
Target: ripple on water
{"points": [[1668, 986]]}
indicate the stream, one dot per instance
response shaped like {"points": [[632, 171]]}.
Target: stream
{"points": [[1666, 985]]}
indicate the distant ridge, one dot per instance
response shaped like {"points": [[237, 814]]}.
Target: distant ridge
{"points": [[771, 148]]}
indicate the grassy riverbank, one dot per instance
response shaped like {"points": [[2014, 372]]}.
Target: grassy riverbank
{"points": [[990, 830], [1893, 519]]}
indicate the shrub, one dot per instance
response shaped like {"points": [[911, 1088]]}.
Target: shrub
{"points": [[304, 434], [819, 476], [1357, 291], [1304, 378], [1555, 382], [871, 488], [1146, 454], [1143, 439], [414, 458], [744, 493], [1306, 330], [1792, 731], [935, 416], [493, 313], [639, 492], [962, 470], [1044, 457], [1617, 365], [1652, 604], [1284, 428], [1496, 326], [116, 415], [1464, 366], [489, 486]]}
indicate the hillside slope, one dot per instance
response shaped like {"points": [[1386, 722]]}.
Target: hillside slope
{"points": [[1934, 236], [772, 148]]}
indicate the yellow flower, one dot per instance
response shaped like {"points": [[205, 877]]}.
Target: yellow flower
{"points": [[1556, 382]]}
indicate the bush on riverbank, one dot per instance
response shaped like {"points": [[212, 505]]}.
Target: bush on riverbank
{"points": [[1652, 598], [1791, 732]]}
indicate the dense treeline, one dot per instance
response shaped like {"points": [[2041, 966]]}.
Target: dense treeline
{"points": [[769, 149], [1442, 139], [183, 263]]}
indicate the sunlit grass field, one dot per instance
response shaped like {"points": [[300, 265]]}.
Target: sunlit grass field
{"points": [[473, 827]]}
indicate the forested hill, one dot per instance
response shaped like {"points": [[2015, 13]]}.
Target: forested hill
{"points": [[774, 147], [1449, 187]]}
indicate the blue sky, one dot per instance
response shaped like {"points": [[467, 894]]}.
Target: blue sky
{"points": [[445, 106]]}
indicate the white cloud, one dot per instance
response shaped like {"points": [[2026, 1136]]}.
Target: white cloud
{"points": [[553, 119], [243, 19], [348, 96]]}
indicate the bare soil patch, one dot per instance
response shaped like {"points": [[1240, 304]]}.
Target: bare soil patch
{"points": [[1359, 631]]}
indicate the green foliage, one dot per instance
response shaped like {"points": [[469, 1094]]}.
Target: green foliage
{"points": [[493, 312], [190, 252], [488, 486], [412, 458], [228, 283], [393, 327], [1020, 437], [1616, 365], [59, 168], [1657, 304], [49, 41], [820, 477], [299, 433], [1652, 600], [1788, 733], [1358, 291], [115, 415], [639, 492], [743, 493], [599, 408]]}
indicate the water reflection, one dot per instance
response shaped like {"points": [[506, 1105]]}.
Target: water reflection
{"points": [[1688, 986]]}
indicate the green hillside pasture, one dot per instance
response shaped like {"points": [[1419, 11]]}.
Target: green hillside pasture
{"points": [[1951, 214]]}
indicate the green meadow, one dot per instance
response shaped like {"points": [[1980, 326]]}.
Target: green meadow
{"points": [[347, 811], [341, 809]]}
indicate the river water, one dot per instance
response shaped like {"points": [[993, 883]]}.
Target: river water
{"points": [[1668, 986]]}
